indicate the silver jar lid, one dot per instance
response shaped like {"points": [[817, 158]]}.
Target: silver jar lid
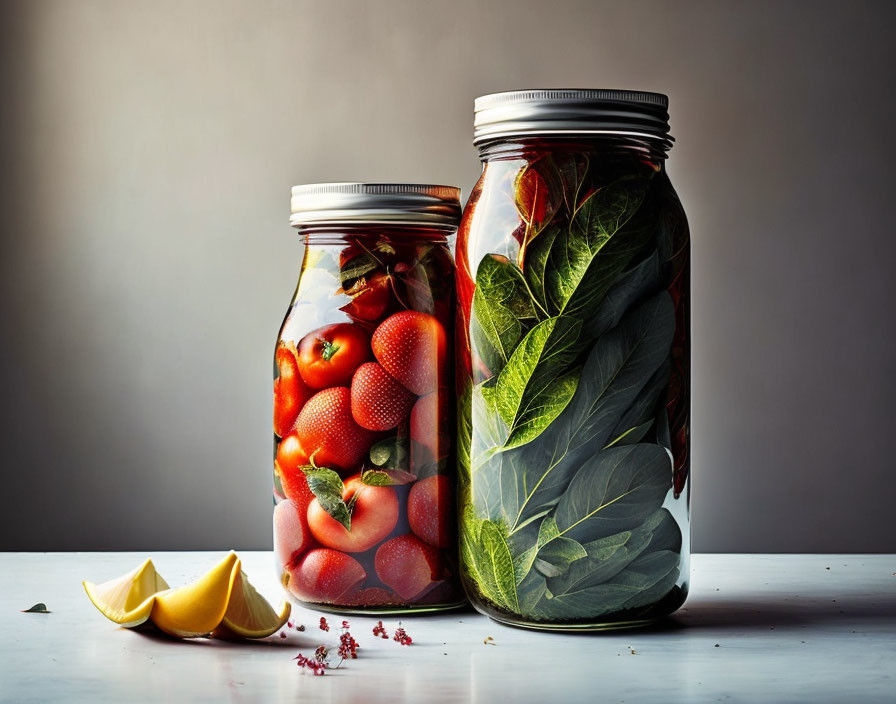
{"points": [[557, 112], [358, 203]]}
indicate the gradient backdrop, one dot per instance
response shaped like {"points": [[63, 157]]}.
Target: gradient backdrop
{"points": [[148, 149]]}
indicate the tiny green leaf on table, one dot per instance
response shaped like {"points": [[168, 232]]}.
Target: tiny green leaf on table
{"points": [[501, 306], [535, 385], [327, 487], [39, 608]]}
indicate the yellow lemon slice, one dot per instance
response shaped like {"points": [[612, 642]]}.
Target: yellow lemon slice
{"points": [[197, 608], [128, 600], [249, 614], [222, 600]]}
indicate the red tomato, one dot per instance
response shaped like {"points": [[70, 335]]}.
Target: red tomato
{"points": [[324, 575], [374, 516], [291, 534], [431, 510], [411, 346], [329, 433], [330, 355], [371, 298], [290, 392], [288, 465], [407, 565]]}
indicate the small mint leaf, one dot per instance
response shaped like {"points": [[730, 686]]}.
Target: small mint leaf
{"points": [[39, 608], [327, 487], [386, 477]]}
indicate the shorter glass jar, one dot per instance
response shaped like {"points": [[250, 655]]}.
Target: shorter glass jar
{"points": [[364, 480]]}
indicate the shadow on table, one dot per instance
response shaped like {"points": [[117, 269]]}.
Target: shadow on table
{"points": [[774, 611]]}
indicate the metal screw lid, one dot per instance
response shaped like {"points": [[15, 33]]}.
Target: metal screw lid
{"points": [[356, 203], [556, 112]]}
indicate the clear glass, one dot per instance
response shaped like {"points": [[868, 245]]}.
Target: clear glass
{"points": [[573, 372], [364, 480]]}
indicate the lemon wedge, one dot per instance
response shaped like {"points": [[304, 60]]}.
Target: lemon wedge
{"points": [[221, 599], [128, 600], [249, 614]]}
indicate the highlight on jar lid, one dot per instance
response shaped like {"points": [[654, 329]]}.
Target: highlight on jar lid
{"points": [[587, 111], [355, 203]]}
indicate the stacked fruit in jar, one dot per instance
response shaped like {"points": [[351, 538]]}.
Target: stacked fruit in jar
{"points": [[364, 511]]}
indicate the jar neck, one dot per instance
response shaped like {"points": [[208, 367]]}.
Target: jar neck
{"points": [[601, 146], [336, 233]]}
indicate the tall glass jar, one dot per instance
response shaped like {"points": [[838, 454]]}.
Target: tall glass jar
{"points": [[573, 364], [364, 481]]}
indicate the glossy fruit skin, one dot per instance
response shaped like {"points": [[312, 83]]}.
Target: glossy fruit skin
{"points": [[290, 391], [330, 355], [324, 575], [431, 510], [288, 465], [291, 534], [374, 515], [407, 565], [412, 346], [329, 433], [379, 402], [428, 427], [371, 298]]}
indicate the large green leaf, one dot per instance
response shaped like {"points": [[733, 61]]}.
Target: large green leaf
{"points": [[487, 558], [501, 305], [644, 581], [614, 491], [608, 556], [618, 367], [639, 417], [536, 384], [636, 284], [584, 260]]}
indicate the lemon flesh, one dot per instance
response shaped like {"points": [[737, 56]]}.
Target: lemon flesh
{"points": [[249, 614], [128, 600]]}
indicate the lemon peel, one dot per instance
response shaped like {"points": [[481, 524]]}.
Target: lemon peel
{"points": [[221, 599]]}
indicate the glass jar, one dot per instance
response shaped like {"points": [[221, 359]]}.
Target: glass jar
{"points": [[364, 480], [573, 364]]}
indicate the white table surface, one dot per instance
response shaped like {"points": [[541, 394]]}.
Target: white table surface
{"points": [[756, 628]]}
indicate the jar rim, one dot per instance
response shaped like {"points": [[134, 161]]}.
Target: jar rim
{"points": [[640, 114], [375, 203]]}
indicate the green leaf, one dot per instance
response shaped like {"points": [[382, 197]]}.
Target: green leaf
{"points": [[358, 266], [535, 386], [645, 581], [486, 557], [386, 477], [501, 305], [393, 452], [633, 286], [39, 608], [537, 264], [608, 556], [639, 417], [586, 258], [327, 487], [572, 168], [614, 491], [617, 369]]}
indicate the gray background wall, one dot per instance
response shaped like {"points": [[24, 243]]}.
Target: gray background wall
{"points": [[148, 149]]}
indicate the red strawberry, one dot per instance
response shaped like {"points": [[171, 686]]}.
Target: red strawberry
{"points": [[378, 401], [328, 432], [407, 565], [290, 391], [431, 510], [429, 429], [324, 575], [291, 534], [411, 346]]}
